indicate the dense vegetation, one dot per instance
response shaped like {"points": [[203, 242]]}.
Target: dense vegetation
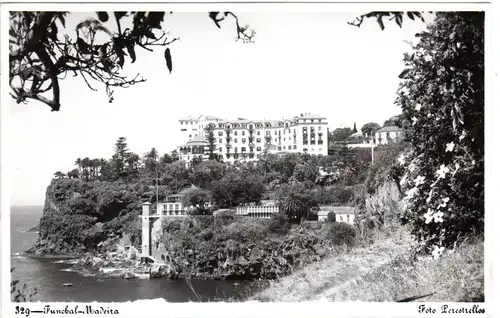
{"points": [[442, 98], [101, 199], [247, 248]]}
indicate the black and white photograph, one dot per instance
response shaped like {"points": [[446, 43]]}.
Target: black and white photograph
{"points": [[244, 153]]}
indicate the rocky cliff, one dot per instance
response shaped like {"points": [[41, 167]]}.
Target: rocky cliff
{"points": [[81, 216]]}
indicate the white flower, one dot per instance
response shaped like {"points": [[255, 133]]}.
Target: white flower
{"points": [[403, 180], [429, 216], [414, 119], [418, 107], [443, 205], [438, 217], [401, 159], [411, 193], [437, 251], [457, 166], [419, 180], [450, 146], [443, 170], [462, 136], [428, 58], [411, 167]]}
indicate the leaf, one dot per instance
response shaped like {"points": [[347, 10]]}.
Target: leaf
{"points": [[399, 19], [168, 59], [150, 34], [53, 32], [411, 16], [120, 14], [131, 51], [213, 16], [381, 23], [404, 73], [155, 19], [103, 16], [63, 20]]}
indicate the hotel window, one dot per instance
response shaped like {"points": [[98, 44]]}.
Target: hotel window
{"points": [[183, 129], [243, 133], [251, 149], [236, 133], [289, 147], [258, 133], [189, 136], [221, 133], [279, 148], [258, 139], [235, 139], [275, 132], [220, 140], [235, 150], [235, 156], [243, 140], [258, 148], [305, 149], [220, 149], [294, 146], [243, 149]]}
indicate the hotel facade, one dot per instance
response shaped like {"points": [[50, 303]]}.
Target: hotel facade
{"points": [[245, 140]]}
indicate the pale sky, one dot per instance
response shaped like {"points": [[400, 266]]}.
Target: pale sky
{"points": [[300, 62]]}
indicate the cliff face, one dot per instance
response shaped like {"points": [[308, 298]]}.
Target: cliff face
{"points": [[80, 216], [385, 200]]}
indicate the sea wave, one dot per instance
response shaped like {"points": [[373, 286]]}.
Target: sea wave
{"points": [[17, 256], [66, 261]]}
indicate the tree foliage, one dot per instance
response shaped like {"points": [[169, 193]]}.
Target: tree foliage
{"points": [[442, 98], [370, 128], [42, 50]]}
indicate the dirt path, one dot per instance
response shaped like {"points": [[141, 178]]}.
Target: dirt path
{"points": [[321, 280]]}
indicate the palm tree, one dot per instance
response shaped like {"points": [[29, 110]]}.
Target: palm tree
{"points": [[78, 163], [296, 201], [73, 174], [86, 165], [59, 175]]}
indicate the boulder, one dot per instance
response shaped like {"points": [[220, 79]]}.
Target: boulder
{"points": [[319, 250], [128, 275]]}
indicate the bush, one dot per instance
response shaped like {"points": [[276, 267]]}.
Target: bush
{"points": [[340, 233], [330, 217], [444, 122], [279, 223]]}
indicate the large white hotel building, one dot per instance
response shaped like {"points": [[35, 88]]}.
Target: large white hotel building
{"points": [[244, 139]]}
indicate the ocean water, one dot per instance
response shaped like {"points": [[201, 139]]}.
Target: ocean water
{"points": [[49, 275]]}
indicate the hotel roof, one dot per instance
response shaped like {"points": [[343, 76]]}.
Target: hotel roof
{"points": [[389, 129], [335, 209]]}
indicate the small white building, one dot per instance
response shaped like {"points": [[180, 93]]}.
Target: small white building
{"points": [[344, 214], [174, 206], [265, 209], [387, 135]]}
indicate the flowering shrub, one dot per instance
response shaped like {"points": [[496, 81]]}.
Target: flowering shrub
{"points": [[442, 98]]}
